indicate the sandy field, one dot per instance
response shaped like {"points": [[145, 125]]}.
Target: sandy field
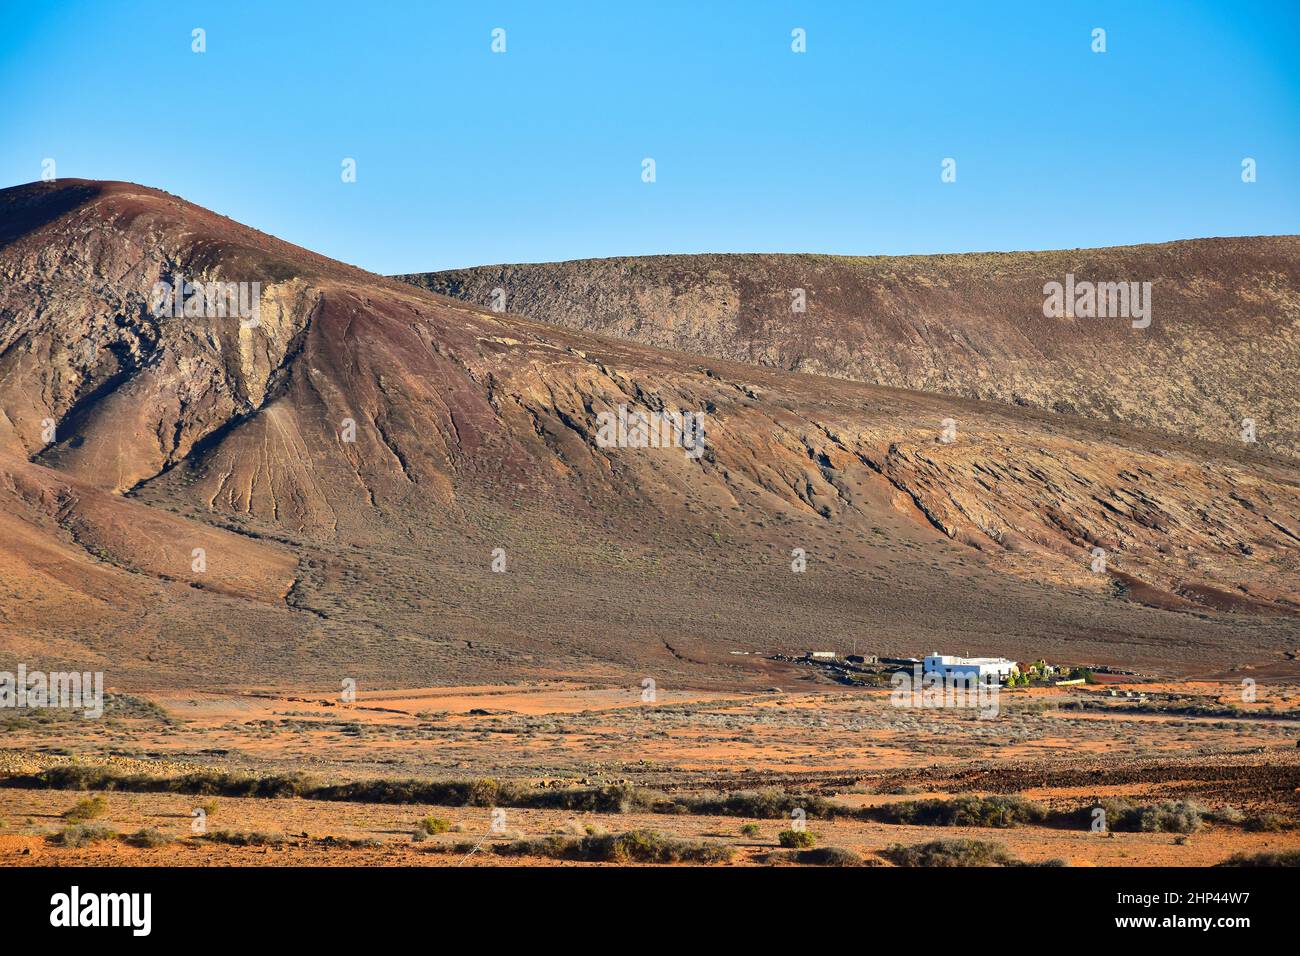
{"points": [[1062, 748]]}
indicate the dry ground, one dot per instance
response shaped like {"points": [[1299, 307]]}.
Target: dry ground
{"points": [[849, 744]]}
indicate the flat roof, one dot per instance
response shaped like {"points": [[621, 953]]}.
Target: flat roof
{"points": [[949, 659]]}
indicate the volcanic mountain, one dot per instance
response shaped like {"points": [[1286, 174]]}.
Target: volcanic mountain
{"points": [[374, 481], [1221, 343]]}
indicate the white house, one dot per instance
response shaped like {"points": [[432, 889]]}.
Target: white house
{"points": [[964, 668]]}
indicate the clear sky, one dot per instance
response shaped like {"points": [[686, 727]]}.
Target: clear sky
{"points": [[465, 156]]}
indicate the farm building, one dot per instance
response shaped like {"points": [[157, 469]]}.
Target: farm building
{"points": [[964, 668]]}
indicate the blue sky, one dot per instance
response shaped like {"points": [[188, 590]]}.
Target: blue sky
{"points": [[467, 157]]}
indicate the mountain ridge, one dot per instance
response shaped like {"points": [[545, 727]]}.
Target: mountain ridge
{"points": [[474, 433], [1224, 340]]}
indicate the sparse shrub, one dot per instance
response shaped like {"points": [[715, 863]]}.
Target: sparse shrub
{"points": [[1225, 815], [205, 782], [90, 808], [1168, 816], [796, 839], [483, 793], [950, 853], [1119, 813], [768, 804], [1264, 823], [1279, 858], [828, 856], [255, 838], [218, 783], [83, 834], [614, 798], [996, 811], [433, 825], [556, 846], [149, 837], [350, 843], [617, 798], [635, 846], [749, 829]]}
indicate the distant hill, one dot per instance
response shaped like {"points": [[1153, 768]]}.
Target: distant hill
{"points": [[1223, 342]]}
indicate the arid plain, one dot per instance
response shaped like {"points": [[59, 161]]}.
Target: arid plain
{"points": [[712, 770]]}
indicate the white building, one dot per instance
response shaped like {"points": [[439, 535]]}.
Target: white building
{"points": [[965, 668]]}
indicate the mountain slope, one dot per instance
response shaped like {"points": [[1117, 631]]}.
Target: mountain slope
{"points": [[1222, 345], [356, 463]]}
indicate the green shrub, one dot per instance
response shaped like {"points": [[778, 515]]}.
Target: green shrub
{"points": [[1168, 816], [556, 846], [1264, 823], [960, 812], [614, 798], [203, 782], [828, 856], [149, 837], [635, 846], [83, 834], [649, 846], [750, 829], [950, 853], [432, 825], [767, 804], [1279, 858], [351, 843], [1225, 815], [89, 809], [255, 838], [796, 839]]}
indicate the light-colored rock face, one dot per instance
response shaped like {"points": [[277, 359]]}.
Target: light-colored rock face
{"points": [[84, 346], [387, 441], [1223, 342]]}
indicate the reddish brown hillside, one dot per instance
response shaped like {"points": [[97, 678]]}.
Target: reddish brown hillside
{"points": [[1223, 342], [476, 432]]}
